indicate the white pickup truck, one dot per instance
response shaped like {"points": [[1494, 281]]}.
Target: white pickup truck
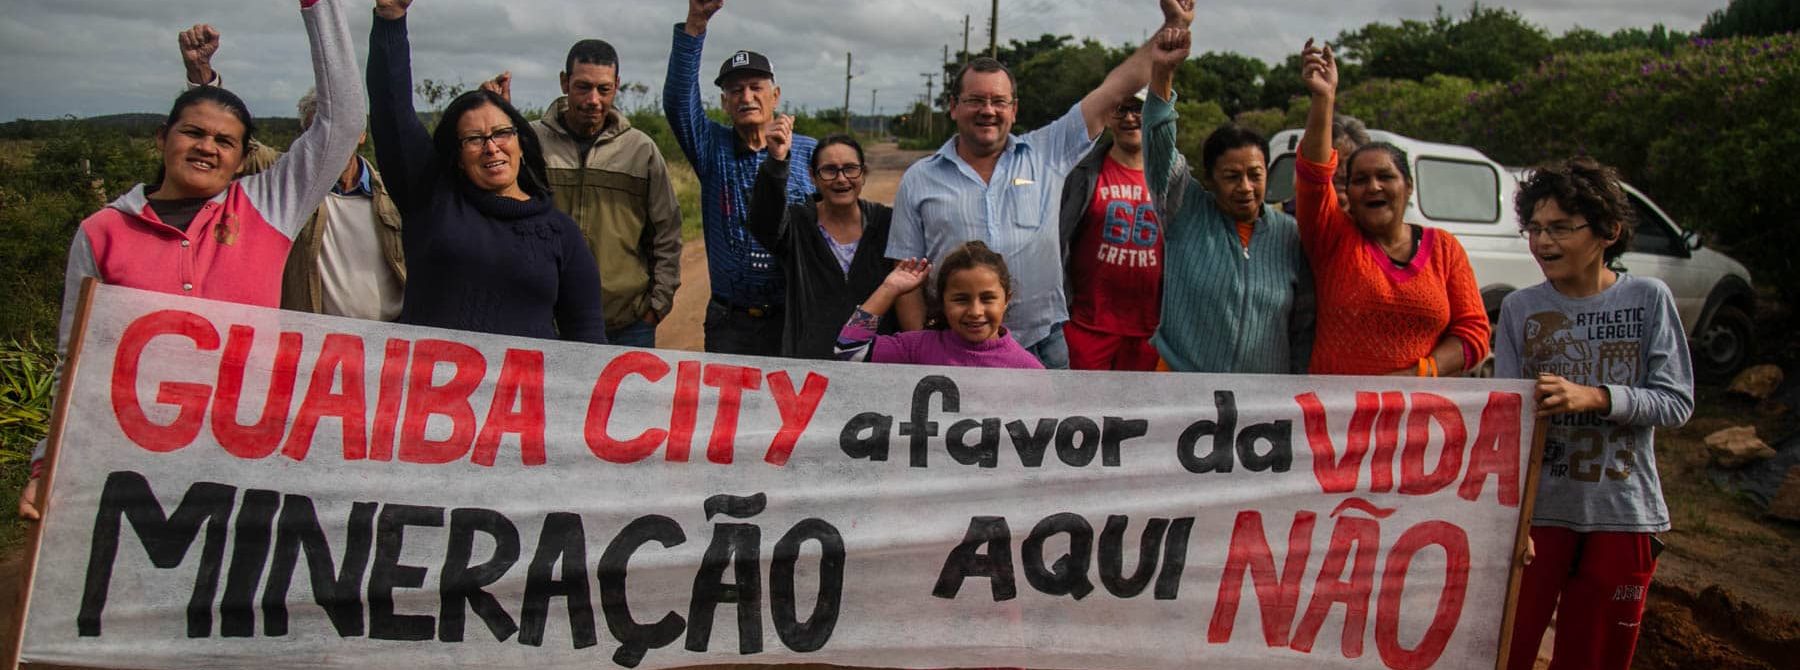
{"points": [[1461, 190]]}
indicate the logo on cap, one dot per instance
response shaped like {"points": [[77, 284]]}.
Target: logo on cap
{"points": [[740, 58]]}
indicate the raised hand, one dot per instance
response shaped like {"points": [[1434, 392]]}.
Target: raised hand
{"points": [[780, 136], [198, 44], [1178, 12], [1170, 48], [908, 275], [500, 85], [699, 13], [392, 9], [1318, 70]]}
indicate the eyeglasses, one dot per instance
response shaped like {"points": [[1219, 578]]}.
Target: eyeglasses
{"points": [[1555, 232], [852, 171], [999, 104], [501, 137], [1123, 112]]}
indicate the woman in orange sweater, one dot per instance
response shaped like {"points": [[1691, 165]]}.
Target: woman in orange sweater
{"points": [[1393, 297]]}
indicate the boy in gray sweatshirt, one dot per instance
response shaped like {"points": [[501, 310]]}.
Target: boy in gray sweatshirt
{"points": [[1612, 364]]}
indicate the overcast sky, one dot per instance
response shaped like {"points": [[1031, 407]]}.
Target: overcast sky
{"points": [[91, 57]]}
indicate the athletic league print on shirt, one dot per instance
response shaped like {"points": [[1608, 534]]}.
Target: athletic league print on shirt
{"points": [[1599, 470], [1595, 348]]}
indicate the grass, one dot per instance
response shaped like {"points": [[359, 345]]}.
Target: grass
{"points": [[25, 392], [687, 196]]}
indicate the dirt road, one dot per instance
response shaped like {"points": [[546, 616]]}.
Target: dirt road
{"points": [[684, 327]]}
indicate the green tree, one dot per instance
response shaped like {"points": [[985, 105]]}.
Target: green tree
{"points": [[1052, 80], [1487, 44], [1282, 84], [1431, 110], [1409, 50], [1232, 80], [1753, 18], [1492, 44], [1198, 119]]}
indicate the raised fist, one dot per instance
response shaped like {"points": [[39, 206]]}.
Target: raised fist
{"points": [[1170, 48], [780, 136], [1318, 69], [699, 13], [198, 44], [500, 85], [391, 9], [1178, 12], [705, 9]]}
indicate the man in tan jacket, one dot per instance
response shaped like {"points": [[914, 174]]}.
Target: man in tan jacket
{"points": [[612, 180]]}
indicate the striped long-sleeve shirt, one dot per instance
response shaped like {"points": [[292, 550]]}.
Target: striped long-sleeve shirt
{"points": [[742, 271]]}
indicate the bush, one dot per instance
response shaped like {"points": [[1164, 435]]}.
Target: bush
{"points": [[1197, 121], [1265, 121], [1706, 131], [1431, 109], [651, 121], [47, 188]]}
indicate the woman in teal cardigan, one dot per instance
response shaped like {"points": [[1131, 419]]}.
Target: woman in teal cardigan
{"points": [[1237, 291]]}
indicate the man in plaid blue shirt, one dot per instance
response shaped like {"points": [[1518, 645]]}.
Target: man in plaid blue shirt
{"points": [[745, 313]]}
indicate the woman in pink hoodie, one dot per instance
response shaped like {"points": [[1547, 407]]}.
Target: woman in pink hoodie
{"points": [[198, 230]]}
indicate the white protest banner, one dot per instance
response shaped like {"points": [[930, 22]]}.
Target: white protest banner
{"points": [[244, 487]]}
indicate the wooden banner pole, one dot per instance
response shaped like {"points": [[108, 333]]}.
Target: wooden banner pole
{"points": [[59, 418], [1522, 535]]}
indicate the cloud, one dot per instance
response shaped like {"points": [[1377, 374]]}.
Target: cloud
{"points": [[89, 57]]}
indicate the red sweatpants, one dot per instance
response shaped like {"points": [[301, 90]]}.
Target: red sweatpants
{"points": [[1095, 350], [1595, 583]]}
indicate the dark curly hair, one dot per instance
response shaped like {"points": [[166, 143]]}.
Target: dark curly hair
{"points": [[1581, 185], [967, 256]]}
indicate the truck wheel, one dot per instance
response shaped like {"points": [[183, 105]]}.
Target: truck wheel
{"points": [[1723, 345]]}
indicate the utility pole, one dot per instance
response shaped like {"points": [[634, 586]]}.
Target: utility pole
{"points": [[994, 30], [872, 111], [847, 60], [930, 104], [965, 51]]}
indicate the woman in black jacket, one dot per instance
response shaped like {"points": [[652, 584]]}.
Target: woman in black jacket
{"points": [[486, 249], [832, 251]]}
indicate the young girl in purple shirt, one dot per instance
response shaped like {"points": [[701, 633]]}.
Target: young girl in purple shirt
{"points": [[973, 289]]}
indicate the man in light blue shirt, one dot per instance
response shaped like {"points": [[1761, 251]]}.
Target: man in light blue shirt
{"points": [[1003, 189]]}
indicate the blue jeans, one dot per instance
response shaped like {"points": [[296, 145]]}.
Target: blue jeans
{"points": [[1053, 350], [639, 334]]}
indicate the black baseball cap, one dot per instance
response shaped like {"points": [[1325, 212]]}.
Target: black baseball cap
{"points": [[744, 62]]}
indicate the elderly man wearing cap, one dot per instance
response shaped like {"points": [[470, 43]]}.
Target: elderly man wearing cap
{"points": [[1112, 251], [745, 314], [990, 185]]}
